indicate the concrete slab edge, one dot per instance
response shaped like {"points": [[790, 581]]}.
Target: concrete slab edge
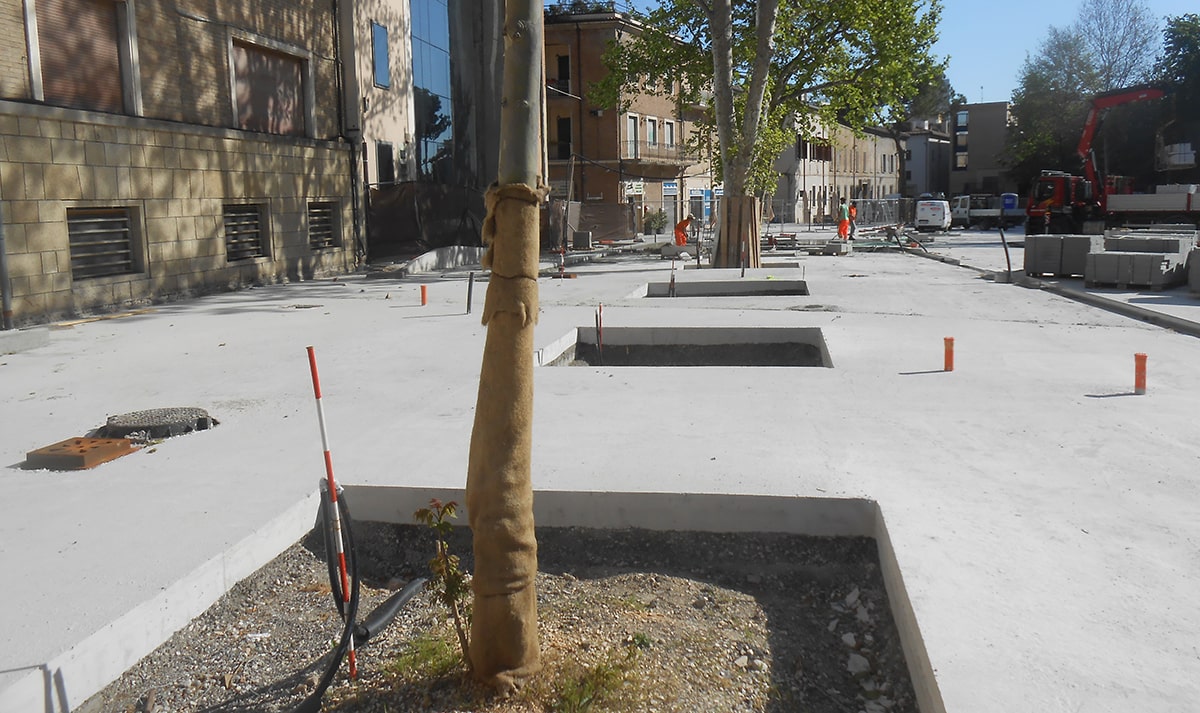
{"points": [[20, 340], [920, 668], [73, 676], [826, 517]]}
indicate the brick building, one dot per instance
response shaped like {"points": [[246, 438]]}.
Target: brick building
{"points": [[157, 149], [620, 166]]}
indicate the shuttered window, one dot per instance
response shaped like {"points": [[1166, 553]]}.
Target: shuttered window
{"points": [[80, 50], [322, 225], [244, 232], [268, 90], [101, 242]]}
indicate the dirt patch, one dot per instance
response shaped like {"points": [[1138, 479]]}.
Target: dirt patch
{"points": [[689, 621]]}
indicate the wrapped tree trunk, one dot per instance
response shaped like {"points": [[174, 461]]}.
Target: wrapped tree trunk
{"points": [[504, 625], [739, 228]]}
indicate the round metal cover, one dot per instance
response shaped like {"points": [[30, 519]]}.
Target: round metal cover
{"points": [[157, 423]]}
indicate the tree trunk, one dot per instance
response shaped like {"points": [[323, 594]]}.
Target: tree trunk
{"points": [[504, 626], [738, 232]]}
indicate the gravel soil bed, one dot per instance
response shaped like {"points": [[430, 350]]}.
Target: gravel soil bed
{"points": [[631, 620]]}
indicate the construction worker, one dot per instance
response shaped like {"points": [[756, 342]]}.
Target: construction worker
{"points": [[853, 215], [681, 230], [843, 220]]}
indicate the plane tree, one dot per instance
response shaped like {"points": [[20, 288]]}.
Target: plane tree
{"points": [[754, 69]]}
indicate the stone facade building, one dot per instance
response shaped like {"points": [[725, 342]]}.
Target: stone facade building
{"points": [[817, 173], [153, 149]]}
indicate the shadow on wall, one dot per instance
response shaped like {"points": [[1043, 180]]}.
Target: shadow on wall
{"points": [[414, 218]]}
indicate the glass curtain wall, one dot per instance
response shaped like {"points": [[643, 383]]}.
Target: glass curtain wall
{"points": [[433, 106]]}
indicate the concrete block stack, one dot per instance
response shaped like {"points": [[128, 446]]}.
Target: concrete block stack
{"points": [[1140, 259], [1059, 255]]}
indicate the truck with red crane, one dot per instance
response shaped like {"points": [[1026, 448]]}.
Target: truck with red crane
{"points": [[1061, 202]]}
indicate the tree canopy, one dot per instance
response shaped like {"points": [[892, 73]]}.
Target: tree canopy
{"points": [[1178, 68], [754, 67], [1110, 46]]}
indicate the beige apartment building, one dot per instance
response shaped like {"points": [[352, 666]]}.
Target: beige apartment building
{"points": [[977, 134], [153, 149], [836, 163], [620, 167]]}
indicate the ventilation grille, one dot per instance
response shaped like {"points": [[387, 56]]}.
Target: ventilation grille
{"points": [[243, 232], [101, 242], [322, 225]]}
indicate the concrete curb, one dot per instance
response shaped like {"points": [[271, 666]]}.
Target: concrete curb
{"points": [[1158, 319]]}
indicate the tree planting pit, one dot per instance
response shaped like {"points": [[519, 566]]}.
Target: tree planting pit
{"points": [[695, 346], [728, 288]]}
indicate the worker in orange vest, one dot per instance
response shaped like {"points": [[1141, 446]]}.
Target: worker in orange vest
{"points": [[843, 220], [681, 228]]}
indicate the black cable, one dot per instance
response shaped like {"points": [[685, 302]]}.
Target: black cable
{"points": [[312, 703]]}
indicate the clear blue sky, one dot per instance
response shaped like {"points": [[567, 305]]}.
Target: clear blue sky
{"points": [[987, 42]]}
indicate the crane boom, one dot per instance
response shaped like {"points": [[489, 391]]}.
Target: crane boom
{"points": [[1101, 103]]}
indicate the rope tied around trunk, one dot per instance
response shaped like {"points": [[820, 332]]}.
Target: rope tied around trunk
{"points": [[512, 221]]}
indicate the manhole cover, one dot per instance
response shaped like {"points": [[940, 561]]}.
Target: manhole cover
{"points": [[157, 423]]}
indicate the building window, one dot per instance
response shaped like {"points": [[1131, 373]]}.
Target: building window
{"points": [[88, 56], [631, 136], [562, 149], [563, 83], [380, 53], [651, 132], [385, 162], [323, 232], [669, 133], [432, 103], [270, 93], [960, 141], [244, 232], [101, 242], [960, 162], [960, 119]]}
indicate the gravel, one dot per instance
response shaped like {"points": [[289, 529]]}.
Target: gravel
{"points": [[689, 621]]}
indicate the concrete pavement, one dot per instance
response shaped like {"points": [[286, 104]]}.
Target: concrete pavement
{"points": [[1044, 521]]}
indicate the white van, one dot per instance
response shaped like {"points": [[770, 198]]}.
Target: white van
{"points": [[932, 215]]}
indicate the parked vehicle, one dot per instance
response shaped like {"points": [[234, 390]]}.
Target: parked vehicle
{"points": [[932, 215], [1061, 202], [985, 211]]}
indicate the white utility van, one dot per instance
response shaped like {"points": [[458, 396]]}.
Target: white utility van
{"points": [[932, 215]]}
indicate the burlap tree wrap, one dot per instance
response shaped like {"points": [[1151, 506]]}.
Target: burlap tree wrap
{"points": [[504, 624]]}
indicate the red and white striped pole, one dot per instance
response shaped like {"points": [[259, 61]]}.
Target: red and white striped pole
{"points": [[337, 517]]}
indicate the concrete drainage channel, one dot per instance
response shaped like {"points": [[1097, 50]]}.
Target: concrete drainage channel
{"points": [[690, 346]]}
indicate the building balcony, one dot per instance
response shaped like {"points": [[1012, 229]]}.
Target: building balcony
{"points": [[654, 152]]}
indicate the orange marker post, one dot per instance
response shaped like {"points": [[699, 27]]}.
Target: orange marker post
{"points": [[424, 295], [949, 364], [1139, 374]]}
